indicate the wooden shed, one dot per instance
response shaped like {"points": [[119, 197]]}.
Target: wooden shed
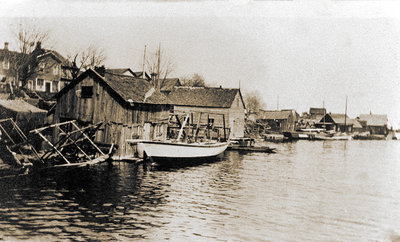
{"points": [[129, 107], [213, 100]]}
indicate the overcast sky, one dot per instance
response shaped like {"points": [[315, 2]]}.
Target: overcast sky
{"points": [[305, 52]]}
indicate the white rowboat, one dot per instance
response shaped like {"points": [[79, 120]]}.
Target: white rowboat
{"points": [[160, 151]]}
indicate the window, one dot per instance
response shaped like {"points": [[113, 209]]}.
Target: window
{"points": [[55, 70], [6, 65], [87, 91], [55, 86], [41, 66], [39, 83]]}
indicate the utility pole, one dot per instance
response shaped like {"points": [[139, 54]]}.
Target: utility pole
{"points": [[158, 66], [144, 60]]}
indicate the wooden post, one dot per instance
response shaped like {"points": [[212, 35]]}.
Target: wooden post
{"points": [[74, 142], [197, 127], [4, 130], [95, 146], [191, 121], [44, 138], [223, 120], [208, 126], [183, 126]]}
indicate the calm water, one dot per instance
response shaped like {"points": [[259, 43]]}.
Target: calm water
{"points": [[308, 191]]}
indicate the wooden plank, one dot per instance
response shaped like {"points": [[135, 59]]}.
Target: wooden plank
{"points": [[94, 145], [51, 145]]}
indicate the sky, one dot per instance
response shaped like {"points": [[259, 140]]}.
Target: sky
{"points": [[296, 54]]}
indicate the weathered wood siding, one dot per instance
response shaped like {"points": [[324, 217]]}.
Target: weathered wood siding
{"points": [[234, 116], [122, 121]]}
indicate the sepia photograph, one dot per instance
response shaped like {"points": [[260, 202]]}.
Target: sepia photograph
{"points": [[157, 120]]}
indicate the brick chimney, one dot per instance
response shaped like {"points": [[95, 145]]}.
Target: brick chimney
{"points": [[6, 45], [38, 45]]}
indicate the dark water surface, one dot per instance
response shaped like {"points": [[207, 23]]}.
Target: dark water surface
{"points": [[308, 191]]}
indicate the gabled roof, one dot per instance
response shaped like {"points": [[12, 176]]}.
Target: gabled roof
{"points": [[275, 114], [55, 54], [169, 83], [20, 106], [318, 111], [338, 118], [5, 53], [374, 119], [355, 123], [204, 96], [126, 88], [120, 71], [140, 74]]}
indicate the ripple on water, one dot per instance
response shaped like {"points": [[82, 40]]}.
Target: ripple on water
{"points": [[308, 191]]}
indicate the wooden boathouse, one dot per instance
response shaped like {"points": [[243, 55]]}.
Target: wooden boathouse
{"points": [[129, 107], [215, 100]]}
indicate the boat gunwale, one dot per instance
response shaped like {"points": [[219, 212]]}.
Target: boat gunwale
{"points": [[197, 145]]}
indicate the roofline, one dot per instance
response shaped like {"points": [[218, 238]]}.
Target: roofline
{"points": [[89, 72], [185, 105], [52, 53]]}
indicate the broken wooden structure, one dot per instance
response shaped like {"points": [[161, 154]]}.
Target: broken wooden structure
{"points": [[199, 126], [16, 152], [72, 146]]}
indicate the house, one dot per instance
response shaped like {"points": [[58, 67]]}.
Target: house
{"points": [[129, 72], [129, 107], [168, 84], [374, 123], [337, 122], [27, 116], [317, 113], [8, 74], [213, 102], [48, 72], [279, 120]]}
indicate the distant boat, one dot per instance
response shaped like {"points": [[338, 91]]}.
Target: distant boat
{"points": [[332, 137], [248, 145]]}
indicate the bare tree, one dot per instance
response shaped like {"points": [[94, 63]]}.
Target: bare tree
{"points": [[254, 101], [160, 67], [195, 80], [85, 59], [28, 36]]}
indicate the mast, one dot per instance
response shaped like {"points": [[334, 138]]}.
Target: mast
{"points": [[323, 107], [158, 65], [144, 60], [345, 115]]}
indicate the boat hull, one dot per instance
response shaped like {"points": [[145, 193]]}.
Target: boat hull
{"points": [[165, 152]]}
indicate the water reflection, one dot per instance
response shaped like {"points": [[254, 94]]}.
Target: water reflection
{"points": [[306, 191]]}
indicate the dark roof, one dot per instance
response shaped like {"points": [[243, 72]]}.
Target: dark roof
{"points": [[20, 106], [319, 111], [127, 88], [120, 71], [338, 118], [54, 53], [169, 83], [8, 53], [204, 96], [374, 119], [135, 89], [284, 114]]}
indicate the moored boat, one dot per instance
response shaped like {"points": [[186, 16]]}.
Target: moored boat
{"points": [[163, 151], [175, 151]]}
